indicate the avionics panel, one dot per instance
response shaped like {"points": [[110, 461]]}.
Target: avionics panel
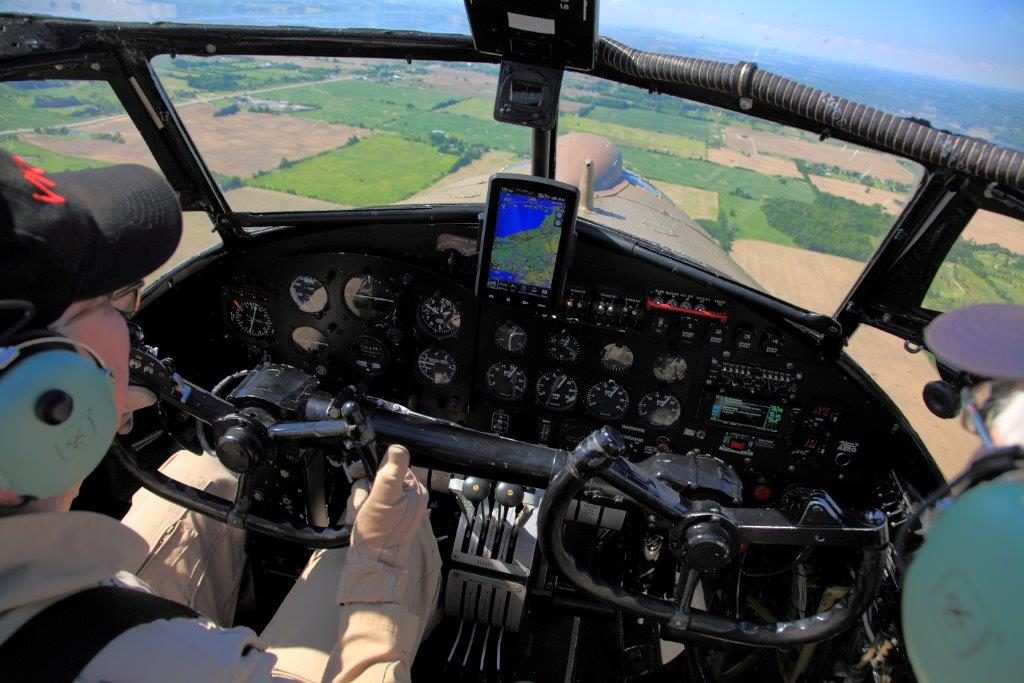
{"points": [[739, 412], [527, 241]]}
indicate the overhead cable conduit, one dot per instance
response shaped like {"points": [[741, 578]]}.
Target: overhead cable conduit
{"points": [[901, 136]]}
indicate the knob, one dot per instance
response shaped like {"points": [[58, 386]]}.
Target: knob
{"points": [[476, 489], [942, 399], [239, 449], [509, 495], [708, 546]]}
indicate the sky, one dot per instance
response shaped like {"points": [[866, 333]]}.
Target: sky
{"points": [[980, 41], [977, 41]]}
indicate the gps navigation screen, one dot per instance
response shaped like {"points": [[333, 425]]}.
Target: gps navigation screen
{"points": [[526, 239]]}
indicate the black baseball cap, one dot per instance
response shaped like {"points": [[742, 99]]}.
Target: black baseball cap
{"points": [[985, 340], [80, 234]]}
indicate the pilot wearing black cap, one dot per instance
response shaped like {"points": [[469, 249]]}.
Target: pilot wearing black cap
{"points": [[86, 597]]}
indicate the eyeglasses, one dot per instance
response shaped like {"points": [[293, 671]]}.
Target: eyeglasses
{"points": [[982, 403], [126, 300]]}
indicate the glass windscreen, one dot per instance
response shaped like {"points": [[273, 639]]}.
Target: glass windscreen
{"points": [[984, 266], [300, 134], [62, 125], [765, 204]]}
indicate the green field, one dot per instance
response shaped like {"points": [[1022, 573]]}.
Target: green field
{"points": [[708, 176], [471, 130], [645, 119], [22, 106], [476, 107], [51, 161], [378, 170], [368, 104], [749, 220], [634, 137]]}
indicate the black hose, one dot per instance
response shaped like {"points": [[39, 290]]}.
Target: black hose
{"points": [[901, 136]]}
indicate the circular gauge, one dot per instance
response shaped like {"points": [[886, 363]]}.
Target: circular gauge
{"points": [[369, 355], [368, 297], [607, 400], [439, 317], [563, 347], [510, 338], [616, 357], [308, 293], [251, 318], [506, 380], [659, 409], [557, 390], [670, 367], [310, 340], [437, 367]]}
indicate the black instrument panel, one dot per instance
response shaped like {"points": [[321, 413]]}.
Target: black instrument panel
{"points": [[672, 364]]}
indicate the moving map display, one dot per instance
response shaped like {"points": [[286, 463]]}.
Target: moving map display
{"points": [[528, 231]]}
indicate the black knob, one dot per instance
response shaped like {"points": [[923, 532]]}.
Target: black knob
{"points": [[509, 495], [476, 489], [942, 399], [708, 546], [239, 449], [54, 407]]}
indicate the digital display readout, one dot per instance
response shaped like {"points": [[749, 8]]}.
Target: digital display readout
{"points": [[729, 410], [527, 234]]}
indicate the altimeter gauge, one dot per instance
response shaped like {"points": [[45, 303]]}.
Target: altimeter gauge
{"points": [[439, 316], [659, 409], [506, 380], [563, 347], [607, 400], [437, 367], [308, 294], [556, 390], [250, 318]]}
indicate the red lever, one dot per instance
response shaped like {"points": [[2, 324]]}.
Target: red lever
{"points": [[653, 305]]}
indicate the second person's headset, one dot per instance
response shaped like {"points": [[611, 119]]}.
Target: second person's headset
{"points": [[57, 413]]}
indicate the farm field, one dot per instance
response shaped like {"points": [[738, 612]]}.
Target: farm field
{"points": [[831, 153], [991, 228], [655, 121], [53, 162], [362, 174], [469, 129], [634, 137], [709, 176], [761, 163], [491, 162], [362, 102], [892, 202]]}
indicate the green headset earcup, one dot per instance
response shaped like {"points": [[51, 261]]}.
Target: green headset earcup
{"points": [[961, 597], [42, 454]]}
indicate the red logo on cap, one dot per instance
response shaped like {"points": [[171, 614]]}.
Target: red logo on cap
{"points": [[37, 176]]}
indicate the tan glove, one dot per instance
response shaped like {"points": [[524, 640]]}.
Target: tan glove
{"points": [[386, 519], [390, 579]]}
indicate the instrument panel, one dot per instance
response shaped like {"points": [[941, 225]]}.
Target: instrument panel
{"points": [[674, 366]]}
